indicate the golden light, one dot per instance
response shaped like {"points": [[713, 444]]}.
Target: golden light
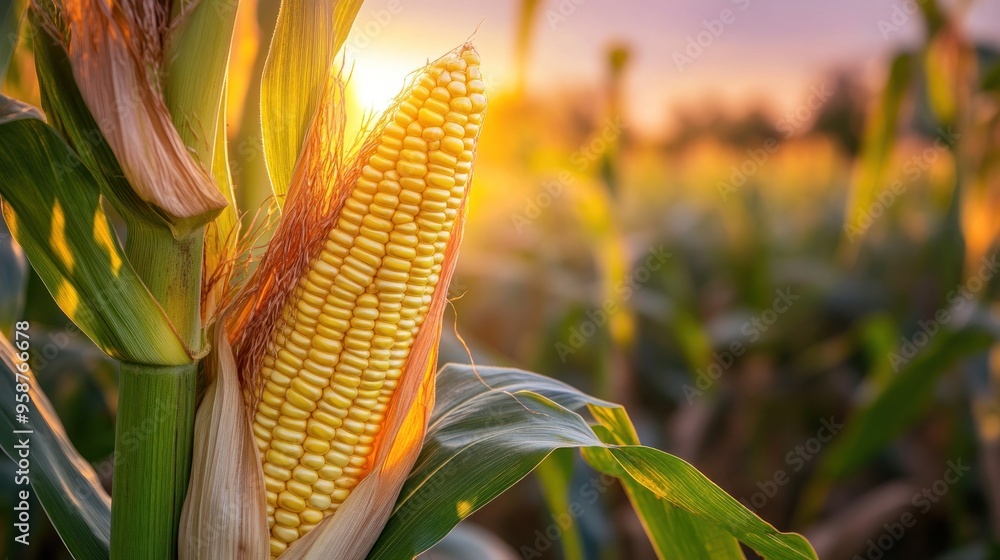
{"points": [[375, 81]]}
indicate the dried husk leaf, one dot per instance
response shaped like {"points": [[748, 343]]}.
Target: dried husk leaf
{"points": [[224, 515], [116, 55]]}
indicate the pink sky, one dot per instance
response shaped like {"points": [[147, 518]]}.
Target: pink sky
{"points": [[767, 49]]}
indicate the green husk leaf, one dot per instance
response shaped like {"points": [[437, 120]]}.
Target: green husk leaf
{"points": [[194, 83], [52, 206], [306, 39]]}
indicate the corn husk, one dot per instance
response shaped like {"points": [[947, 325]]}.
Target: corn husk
{"points": [[116, 54], [224, 514]]}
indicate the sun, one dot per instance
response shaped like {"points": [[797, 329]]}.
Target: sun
{"points": [[374, 83]]}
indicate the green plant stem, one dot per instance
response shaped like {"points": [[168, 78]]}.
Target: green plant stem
{"points": [[155, 425], [152, 459], [171, 269]]}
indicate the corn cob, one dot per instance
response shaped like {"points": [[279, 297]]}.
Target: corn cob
{"points": [[334, 361]]}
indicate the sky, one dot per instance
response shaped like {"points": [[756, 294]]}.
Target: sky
{"points": [[735, 51]]}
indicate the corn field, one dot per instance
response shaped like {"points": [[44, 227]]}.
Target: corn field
{"points": [[386, 280]]}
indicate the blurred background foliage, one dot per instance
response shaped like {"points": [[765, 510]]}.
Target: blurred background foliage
{"points": [[802, 302]]}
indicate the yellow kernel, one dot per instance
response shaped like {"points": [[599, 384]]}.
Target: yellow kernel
{"points": [[437, 106], [314, 461], [299, 401], [440, 94], [310, 392], [454, 129], [315, 446], [288, 435], [433, 133], [461, 104], [402, 118], [420, 92], [429, 118], [414, 156], [414, 143], [443, 159], [380, 163], [410, 169], [286, 518], [280, 459], [478, 101], [457, 117], [304, 475], [276, 472], [319, 501], [301, 490], [287, 535], [452, 145], [291, 502]]}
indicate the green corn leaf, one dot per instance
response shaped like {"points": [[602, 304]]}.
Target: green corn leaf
{"points": [[674, 480], [901, 401], [492, 426], [13, 281], [673, 531], [64, 483], [877, 145], [52, 206], [306, 38], [10, 23]]}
